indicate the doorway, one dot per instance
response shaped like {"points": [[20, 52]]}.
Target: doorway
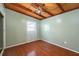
{"points": [[1, 32]]}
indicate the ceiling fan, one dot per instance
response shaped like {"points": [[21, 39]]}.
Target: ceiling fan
{"points": [[38, 7]]}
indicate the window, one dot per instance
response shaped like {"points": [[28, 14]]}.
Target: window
{"points": [[31, 26]]}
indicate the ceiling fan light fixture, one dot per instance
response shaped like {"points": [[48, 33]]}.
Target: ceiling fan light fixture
{"points": [[38, 11], [38, 7]]}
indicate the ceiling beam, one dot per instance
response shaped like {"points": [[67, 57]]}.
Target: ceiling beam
{"points": [[44, 9], [19, 5], [48, 12], [58, 4]]}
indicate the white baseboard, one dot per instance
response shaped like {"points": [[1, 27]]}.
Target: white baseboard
{"points": [[15, 45], [19, 44], [61, 46], [2, 52]]}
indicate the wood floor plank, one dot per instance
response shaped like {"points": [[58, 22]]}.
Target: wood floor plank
{"points": [[38, 48]]}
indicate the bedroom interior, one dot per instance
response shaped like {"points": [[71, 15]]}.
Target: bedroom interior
{"points": [[40, 29]]}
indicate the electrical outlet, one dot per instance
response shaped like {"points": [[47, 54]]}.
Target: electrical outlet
{"points": [[65, 42]]}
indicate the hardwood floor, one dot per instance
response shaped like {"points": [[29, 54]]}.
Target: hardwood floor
{"points": [[38, 48]]}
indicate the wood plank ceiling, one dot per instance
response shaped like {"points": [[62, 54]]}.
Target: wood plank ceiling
{"points": [[42, 10]]}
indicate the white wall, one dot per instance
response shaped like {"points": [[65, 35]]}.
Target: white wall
{"points": [[62, 29], [16, 31]]}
